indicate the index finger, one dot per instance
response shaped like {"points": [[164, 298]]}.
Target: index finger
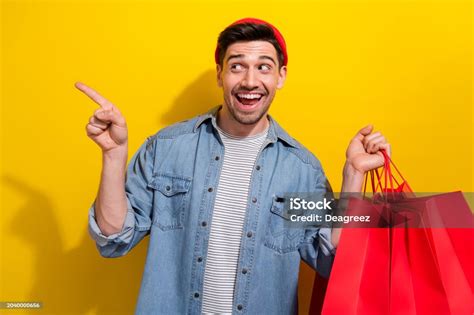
{"points": [[94, 95]]}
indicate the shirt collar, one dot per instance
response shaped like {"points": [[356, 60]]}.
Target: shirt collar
{"points": [[275, 131]]}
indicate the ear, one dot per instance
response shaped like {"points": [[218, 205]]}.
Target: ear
{"points": [[281, 77], [219, 75]]}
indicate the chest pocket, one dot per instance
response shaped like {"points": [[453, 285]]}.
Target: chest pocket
{"points": [[280, 236], [171, 198]]}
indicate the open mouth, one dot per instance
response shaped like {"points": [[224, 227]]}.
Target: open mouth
{"points": [[249, 100]]}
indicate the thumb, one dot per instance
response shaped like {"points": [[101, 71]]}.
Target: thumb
{"points": [[366, 130], [110, 116]]}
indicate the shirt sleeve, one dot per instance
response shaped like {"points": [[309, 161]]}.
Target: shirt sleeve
{"points": [[139, 206], [317, 249]]}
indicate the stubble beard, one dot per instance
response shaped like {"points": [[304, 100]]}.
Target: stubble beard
{"points": [[249, 118]]}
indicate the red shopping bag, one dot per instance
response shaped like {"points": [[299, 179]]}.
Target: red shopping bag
{"points": [[422, 263], [432, 262]]}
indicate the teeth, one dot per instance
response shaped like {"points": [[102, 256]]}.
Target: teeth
{"points": [[249, 96]]}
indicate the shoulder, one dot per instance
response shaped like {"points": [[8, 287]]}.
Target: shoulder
{"points": [[294, 147], [177, 129], [304, 155], [180, 132], [170, 132]]}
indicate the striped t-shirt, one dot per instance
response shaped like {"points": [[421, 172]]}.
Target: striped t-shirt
{"points": [[230, 207]]}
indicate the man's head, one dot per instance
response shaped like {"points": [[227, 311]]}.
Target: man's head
{"points": [[251, 63], [250, 29]]}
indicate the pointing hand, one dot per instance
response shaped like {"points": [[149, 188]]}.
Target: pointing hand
{"points": [[107, 127]]}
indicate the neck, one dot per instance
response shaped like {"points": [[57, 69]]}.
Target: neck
{"points": [[227, 122]]}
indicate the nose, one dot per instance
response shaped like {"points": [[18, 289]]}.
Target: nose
{"points": [[250, 80]]}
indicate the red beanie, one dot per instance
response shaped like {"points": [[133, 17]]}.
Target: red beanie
{"points": [[276, 32]]}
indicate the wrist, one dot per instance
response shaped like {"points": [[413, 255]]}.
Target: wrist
{"points": [[350, 171], [352, 179], [119, 153], [115, 159]]}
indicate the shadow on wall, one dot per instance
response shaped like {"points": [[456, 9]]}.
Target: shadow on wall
{"points": [[72, 281], [197, 98]]}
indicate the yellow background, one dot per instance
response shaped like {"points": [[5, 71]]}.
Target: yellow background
{"points": [[405, 66]]}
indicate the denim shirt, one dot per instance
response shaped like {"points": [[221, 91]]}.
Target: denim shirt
{"points": [[171, 187]]}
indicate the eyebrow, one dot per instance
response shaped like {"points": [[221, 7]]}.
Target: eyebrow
{"points": [[236, 56]]}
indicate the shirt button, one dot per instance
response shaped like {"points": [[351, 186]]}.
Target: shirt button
{"points": [[203, 223], [196, 295], [254, 200], [210, 189], [168, 188], [199, 259], [240, 307], [249, 234], [244, 271], [258, 167], [217, 158]]}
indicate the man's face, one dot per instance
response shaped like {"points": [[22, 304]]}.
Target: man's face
{"points": [[249, 77]]}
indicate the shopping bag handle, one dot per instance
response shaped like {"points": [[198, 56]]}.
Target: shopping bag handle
{"points": [[383, 178]]}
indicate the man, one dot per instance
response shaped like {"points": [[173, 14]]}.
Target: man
{"points": [[209, 191]]}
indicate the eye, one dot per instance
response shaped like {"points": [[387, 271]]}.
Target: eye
{"points": [[236, 66], [265, 67]]}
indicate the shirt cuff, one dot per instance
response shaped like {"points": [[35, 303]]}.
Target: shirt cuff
{"points": [[122, 237], [325, 243]]}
